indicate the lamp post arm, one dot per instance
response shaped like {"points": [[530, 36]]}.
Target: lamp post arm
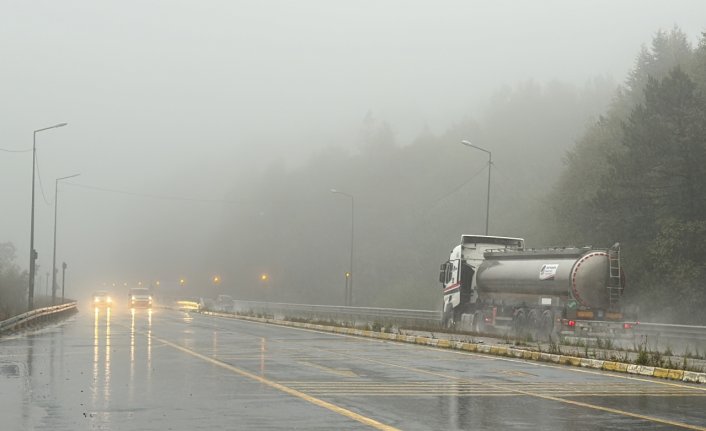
{"points": [[51, 127], [490, 164], [54, 286]]}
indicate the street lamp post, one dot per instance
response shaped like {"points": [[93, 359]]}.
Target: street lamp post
{"points": [[345, 289], [53, 265], [63, 280], [349, 276], [490, 163], [32, 252]]}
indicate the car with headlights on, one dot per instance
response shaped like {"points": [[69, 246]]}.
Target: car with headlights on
{"points": [[101, 299], [139, 297]]}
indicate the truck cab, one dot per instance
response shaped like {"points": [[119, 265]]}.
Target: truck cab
{"points": [[457, 275]]}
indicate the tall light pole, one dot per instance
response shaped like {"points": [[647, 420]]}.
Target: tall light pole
{"points": [[490, 163], [53, 265], [349, 276], [32, 252], [63, 280]]}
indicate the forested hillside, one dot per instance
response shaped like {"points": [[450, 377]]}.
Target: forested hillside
{"points": [[638, 176], [571, 166]]}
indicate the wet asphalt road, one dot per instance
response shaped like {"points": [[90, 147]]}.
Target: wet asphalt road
{"points": [[165, 370]]}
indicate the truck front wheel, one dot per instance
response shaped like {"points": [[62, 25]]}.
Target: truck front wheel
{"points": [[447, 320]]}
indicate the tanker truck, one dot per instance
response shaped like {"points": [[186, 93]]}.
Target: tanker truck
{"points": [[495, 283]]}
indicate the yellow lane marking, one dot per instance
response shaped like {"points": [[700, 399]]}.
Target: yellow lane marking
{"points": [[280, 387], [608, 374], [515, 373], [548, 386], [481, 386], [427, 388], [484, 356], [601, 373], [238, 357], [531, 394], [343, 373], [475, 394], [490, 357], [479, 391], [518, 391]]}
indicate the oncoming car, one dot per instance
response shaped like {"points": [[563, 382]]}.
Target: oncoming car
{"points": [[101, 299], [139, 297]]}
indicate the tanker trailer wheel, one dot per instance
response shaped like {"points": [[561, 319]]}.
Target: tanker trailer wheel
{"points": [[546, 324], [478, 322], [519, 322], [533, 322]]}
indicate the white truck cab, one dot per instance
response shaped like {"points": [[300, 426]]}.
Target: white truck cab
{"points": [[457, 275]]}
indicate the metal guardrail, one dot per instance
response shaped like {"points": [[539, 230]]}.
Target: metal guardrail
{"points": [[355, 315], [660, 333], [33, 315], [667, 330]]}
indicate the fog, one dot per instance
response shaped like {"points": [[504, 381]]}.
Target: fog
{"points": [[176, 108]]}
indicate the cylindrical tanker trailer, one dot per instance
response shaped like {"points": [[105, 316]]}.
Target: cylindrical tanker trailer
{"points": [[493, 281]]}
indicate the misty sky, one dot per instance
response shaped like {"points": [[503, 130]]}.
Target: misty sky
{"points": [[184, 97]]}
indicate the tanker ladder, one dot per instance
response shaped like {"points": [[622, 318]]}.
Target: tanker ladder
{"points": [[615, 285]]}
